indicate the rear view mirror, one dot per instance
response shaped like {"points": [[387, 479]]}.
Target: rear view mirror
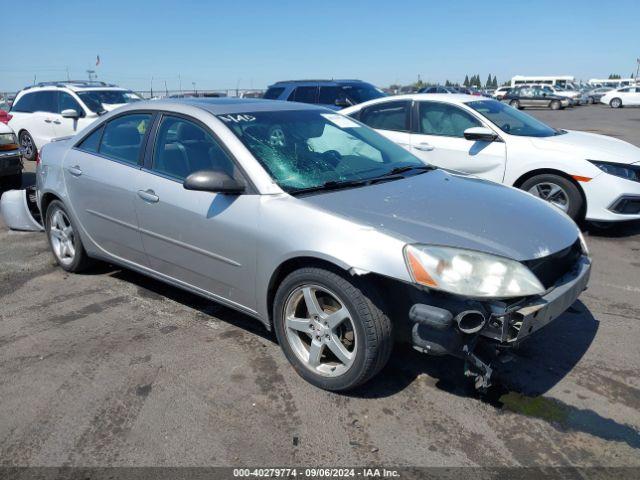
{"points": [[481, 134], [70, 113], [213, 181]]}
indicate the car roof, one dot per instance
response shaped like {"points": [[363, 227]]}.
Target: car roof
{"points": [[316, 82], [455, 98], [75, 86], [225, 105]]}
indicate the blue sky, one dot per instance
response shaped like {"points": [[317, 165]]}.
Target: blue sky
{"points": [[252, 43]]}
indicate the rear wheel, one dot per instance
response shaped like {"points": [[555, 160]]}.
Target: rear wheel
{"points": [[559, 191], [515, 104], [64, 239], [330, 330], [615, 103], [28, 146]]}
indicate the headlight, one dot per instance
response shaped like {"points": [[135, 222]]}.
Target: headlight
{"points": [[630, 172], [470, 273], [8, 141]]}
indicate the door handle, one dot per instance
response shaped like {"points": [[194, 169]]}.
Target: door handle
{"points": [[424, 147], [148, 195], [47, 121], [76, 171], [57, 122]]}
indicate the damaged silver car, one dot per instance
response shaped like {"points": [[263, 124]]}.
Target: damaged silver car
{"points": [[325, 231]]}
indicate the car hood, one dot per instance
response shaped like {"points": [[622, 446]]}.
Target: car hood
{"points": [[442, 208], [590, 146]]}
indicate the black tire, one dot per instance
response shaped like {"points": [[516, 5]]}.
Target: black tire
{"points": [[374, 336], [28, 146], [80, 260], [615, 103], [515, 104], [575, 208], [591, 101], [555, 105]]}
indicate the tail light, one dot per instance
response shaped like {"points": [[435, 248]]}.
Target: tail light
{"points": [[5, 118], [37, 158]]}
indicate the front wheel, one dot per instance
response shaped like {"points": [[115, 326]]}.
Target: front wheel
{"points": [[29, 149], [515, 104], [555, 105], [64, 239], [559, 191], [615, 103], [330, 330]]}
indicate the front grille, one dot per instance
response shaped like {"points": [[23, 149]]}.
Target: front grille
{"points": [[551, 268]]}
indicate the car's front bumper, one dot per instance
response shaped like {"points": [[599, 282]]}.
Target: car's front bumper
{"points": [[606, 196], [10, 162]]}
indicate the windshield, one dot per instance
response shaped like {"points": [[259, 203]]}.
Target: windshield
{"points": [[359, 93], [307, 149], [95, 99], [511, 120]]}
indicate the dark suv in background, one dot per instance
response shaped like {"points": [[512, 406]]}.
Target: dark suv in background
{"points": [[334, 94]]}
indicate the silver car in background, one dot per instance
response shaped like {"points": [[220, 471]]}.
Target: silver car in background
{"points": [[326, 232]]}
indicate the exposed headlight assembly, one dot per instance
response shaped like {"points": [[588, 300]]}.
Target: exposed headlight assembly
{"points": [[8, 141], [470, 273], [629, 172]]}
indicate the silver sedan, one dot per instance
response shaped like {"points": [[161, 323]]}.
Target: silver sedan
{"points": [[326, 232]]}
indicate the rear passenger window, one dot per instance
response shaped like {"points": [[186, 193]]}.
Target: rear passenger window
{"points": [[304, 94], [92, 142], [329, 95], [122, 139], [387, 116], [183, 147], [46, 101], [273, 93]]}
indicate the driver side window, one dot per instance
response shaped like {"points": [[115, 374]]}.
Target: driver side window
{"points": [[444, 120]]}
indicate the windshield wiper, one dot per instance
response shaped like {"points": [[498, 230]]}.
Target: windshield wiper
{"points": [[331, 185]]}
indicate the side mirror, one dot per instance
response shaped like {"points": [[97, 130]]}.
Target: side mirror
{"points": [[342, 102], [481, 134], [70, 113], [213, 181]]}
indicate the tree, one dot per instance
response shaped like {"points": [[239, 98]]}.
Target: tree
{"points": [[489, 82], [614, 76], [494, 84], [466, 81]]}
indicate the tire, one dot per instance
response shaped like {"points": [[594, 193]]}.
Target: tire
{"points": [[555, 105], [569, 199], [28, 145], [366, 329], [76, 260], [591, 101], [615, 103], [515, 104]]}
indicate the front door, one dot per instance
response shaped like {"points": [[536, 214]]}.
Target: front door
{"points": [[101, 175], [439, 140], [199, 238], [64, 127]]}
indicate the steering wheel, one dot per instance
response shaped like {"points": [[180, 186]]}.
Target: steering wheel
{"points": [[332, 157]]}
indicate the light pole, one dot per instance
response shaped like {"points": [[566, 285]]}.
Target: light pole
{"points": [[194, 88]]}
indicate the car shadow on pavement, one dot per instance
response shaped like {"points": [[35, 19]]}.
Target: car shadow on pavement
{"points": [[616, 230]]}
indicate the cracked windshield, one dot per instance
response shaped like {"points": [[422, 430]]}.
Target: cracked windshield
{"points": [[308, 150]]}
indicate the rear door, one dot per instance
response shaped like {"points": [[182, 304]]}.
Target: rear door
{"points": [[304, 94], [33, 112], [202, 239], [391, 119], [438, 139], [101, 174]]}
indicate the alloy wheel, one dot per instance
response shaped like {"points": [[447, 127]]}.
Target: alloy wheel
{"points": [[320, 330], [62, 237], [27, 144], [552, 193]]}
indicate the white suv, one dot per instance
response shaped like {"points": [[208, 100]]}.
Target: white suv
{"points": [[50, 110]]}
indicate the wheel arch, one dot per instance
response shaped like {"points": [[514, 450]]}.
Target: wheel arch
{"points": [[541, 171], [45, 201], [290, 265]]}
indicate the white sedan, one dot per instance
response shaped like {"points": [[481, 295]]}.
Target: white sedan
{"points": [[622, 97], [586, 175]]}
